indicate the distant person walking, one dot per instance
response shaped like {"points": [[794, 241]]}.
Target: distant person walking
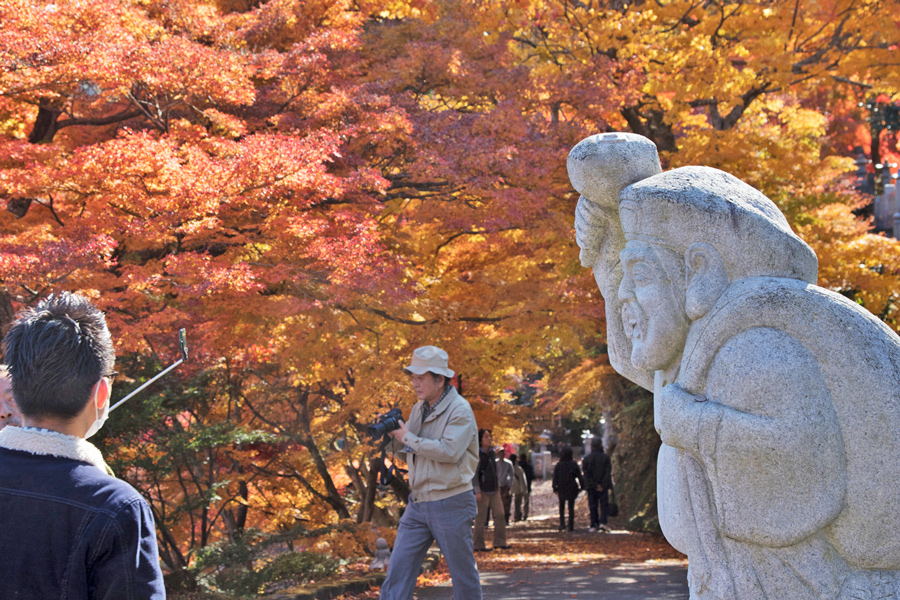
{"points": [[598, 479], [525, 464], [567, 482], [487, 493], [505, 475], [519, 487]]}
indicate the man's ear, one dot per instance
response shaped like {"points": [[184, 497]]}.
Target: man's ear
{"points": [[100, 392], [707, 278]]}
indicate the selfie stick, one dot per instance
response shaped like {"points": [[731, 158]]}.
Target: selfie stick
{"points": [[182, 342]]}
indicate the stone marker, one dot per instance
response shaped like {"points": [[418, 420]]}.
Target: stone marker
{"points": [[777, 401], [382, 555]]}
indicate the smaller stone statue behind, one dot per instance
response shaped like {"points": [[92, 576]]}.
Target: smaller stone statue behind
{"points": [[382, 555]]}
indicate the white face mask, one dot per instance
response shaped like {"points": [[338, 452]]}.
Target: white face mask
{"points": [[100, 420]]}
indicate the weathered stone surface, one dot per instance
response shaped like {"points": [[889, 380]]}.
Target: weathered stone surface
{"points": [[599, 167], [776, 400]]}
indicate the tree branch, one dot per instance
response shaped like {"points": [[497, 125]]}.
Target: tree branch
{"points": [[116, 118]]}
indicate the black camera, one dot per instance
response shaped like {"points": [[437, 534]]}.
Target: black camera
{"points": [[386, 423]]}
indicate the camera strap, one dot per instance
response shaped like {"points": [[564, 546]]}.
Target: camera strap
{"points": [[385, 473]]}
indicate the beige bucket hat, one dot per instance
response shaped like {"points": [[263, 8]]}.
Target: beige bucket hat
{"points": [[429, 358]]}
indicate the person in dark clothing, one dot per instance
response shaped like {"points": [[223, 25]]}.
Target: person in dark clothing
{"points": [[598, 480], [529, 477], [567, 482], [487, 493]]}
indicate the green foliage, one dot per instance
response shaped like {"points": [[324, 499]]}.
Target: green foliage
{"points": [[300, 567], [184, 465], [634, 459], [245, 567], [584, 417]]}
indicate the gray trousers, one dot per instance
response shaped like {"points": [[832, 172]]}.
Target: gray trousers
{"points": [[449, 522]]}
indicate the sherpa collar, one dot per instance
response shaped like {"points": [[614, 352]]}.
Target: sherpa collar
{"points": [[52, 443]]}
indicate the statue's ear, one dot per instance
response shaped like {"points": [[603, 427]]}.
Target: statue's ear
{"points": [[707, 278]]}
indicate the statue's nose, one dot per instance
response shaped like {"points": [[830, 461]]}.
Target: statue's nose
{"points": [[626, 288]]}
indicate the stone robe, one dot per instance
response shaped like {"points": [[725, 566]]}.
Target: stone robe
{"points": [[779, 474]]}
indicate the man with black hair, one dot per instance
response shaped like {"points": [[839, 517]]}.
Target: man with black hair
{"points": [[68, 529]]}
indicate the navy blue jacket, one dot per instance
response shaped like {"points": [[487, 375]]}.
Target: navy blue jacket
{"points": [[69, 531]]}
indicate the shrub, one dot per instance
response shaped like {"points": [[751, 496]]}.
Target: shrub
{"points": [[290, 568], [254, 562]]}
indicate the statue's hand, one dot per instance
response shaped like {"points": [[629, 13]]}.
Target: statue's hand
{"points": [[676, 416], [598, 233], [600, 167]]}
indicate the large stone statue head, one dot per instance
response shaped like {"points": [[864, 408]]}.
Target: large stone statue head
{"points": [[688, 233]]}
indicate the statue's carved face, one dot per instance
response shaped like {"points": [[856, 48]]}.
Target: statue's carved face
{"points": [[653, 313]]}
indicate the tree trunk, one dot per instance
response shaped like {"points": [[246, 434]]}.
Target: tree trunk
{"points": [[168, 545], [332, 496], [400, 488], [633, 446], [44, 125], [371, 488], [875, 149], [651, 124]]}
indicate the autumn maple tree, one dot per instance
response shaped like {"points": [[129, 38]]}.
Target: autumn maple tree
{"points": [[206, 167]]}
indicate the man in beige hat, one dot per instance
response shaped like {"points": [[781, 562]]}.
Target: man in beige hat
{"points": [[441, 446]]}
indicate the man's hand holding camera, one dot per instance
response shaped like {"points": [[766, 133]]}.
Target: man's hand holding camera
{"points": [[398, 433]]}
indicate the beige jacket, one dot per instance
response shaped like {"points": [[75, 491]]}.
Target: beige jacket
{"points": [[445, 449]]}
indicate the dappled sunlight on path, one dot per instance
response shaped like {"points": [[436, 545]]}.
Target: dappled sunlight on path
{"points": [[546, 564]]}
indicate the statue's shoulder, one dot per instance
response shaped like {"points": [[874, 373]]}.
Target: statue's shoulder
{"points": [[822, 321]]}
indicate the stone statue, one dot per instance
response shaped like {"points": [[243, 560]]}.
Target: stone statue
{"points": [[382, 555], [777, 401]]}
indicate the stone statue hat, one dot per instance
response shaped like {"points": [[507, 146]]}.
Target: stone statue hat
{"points": [[702, 204], [429, 358], [622, 185]]}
